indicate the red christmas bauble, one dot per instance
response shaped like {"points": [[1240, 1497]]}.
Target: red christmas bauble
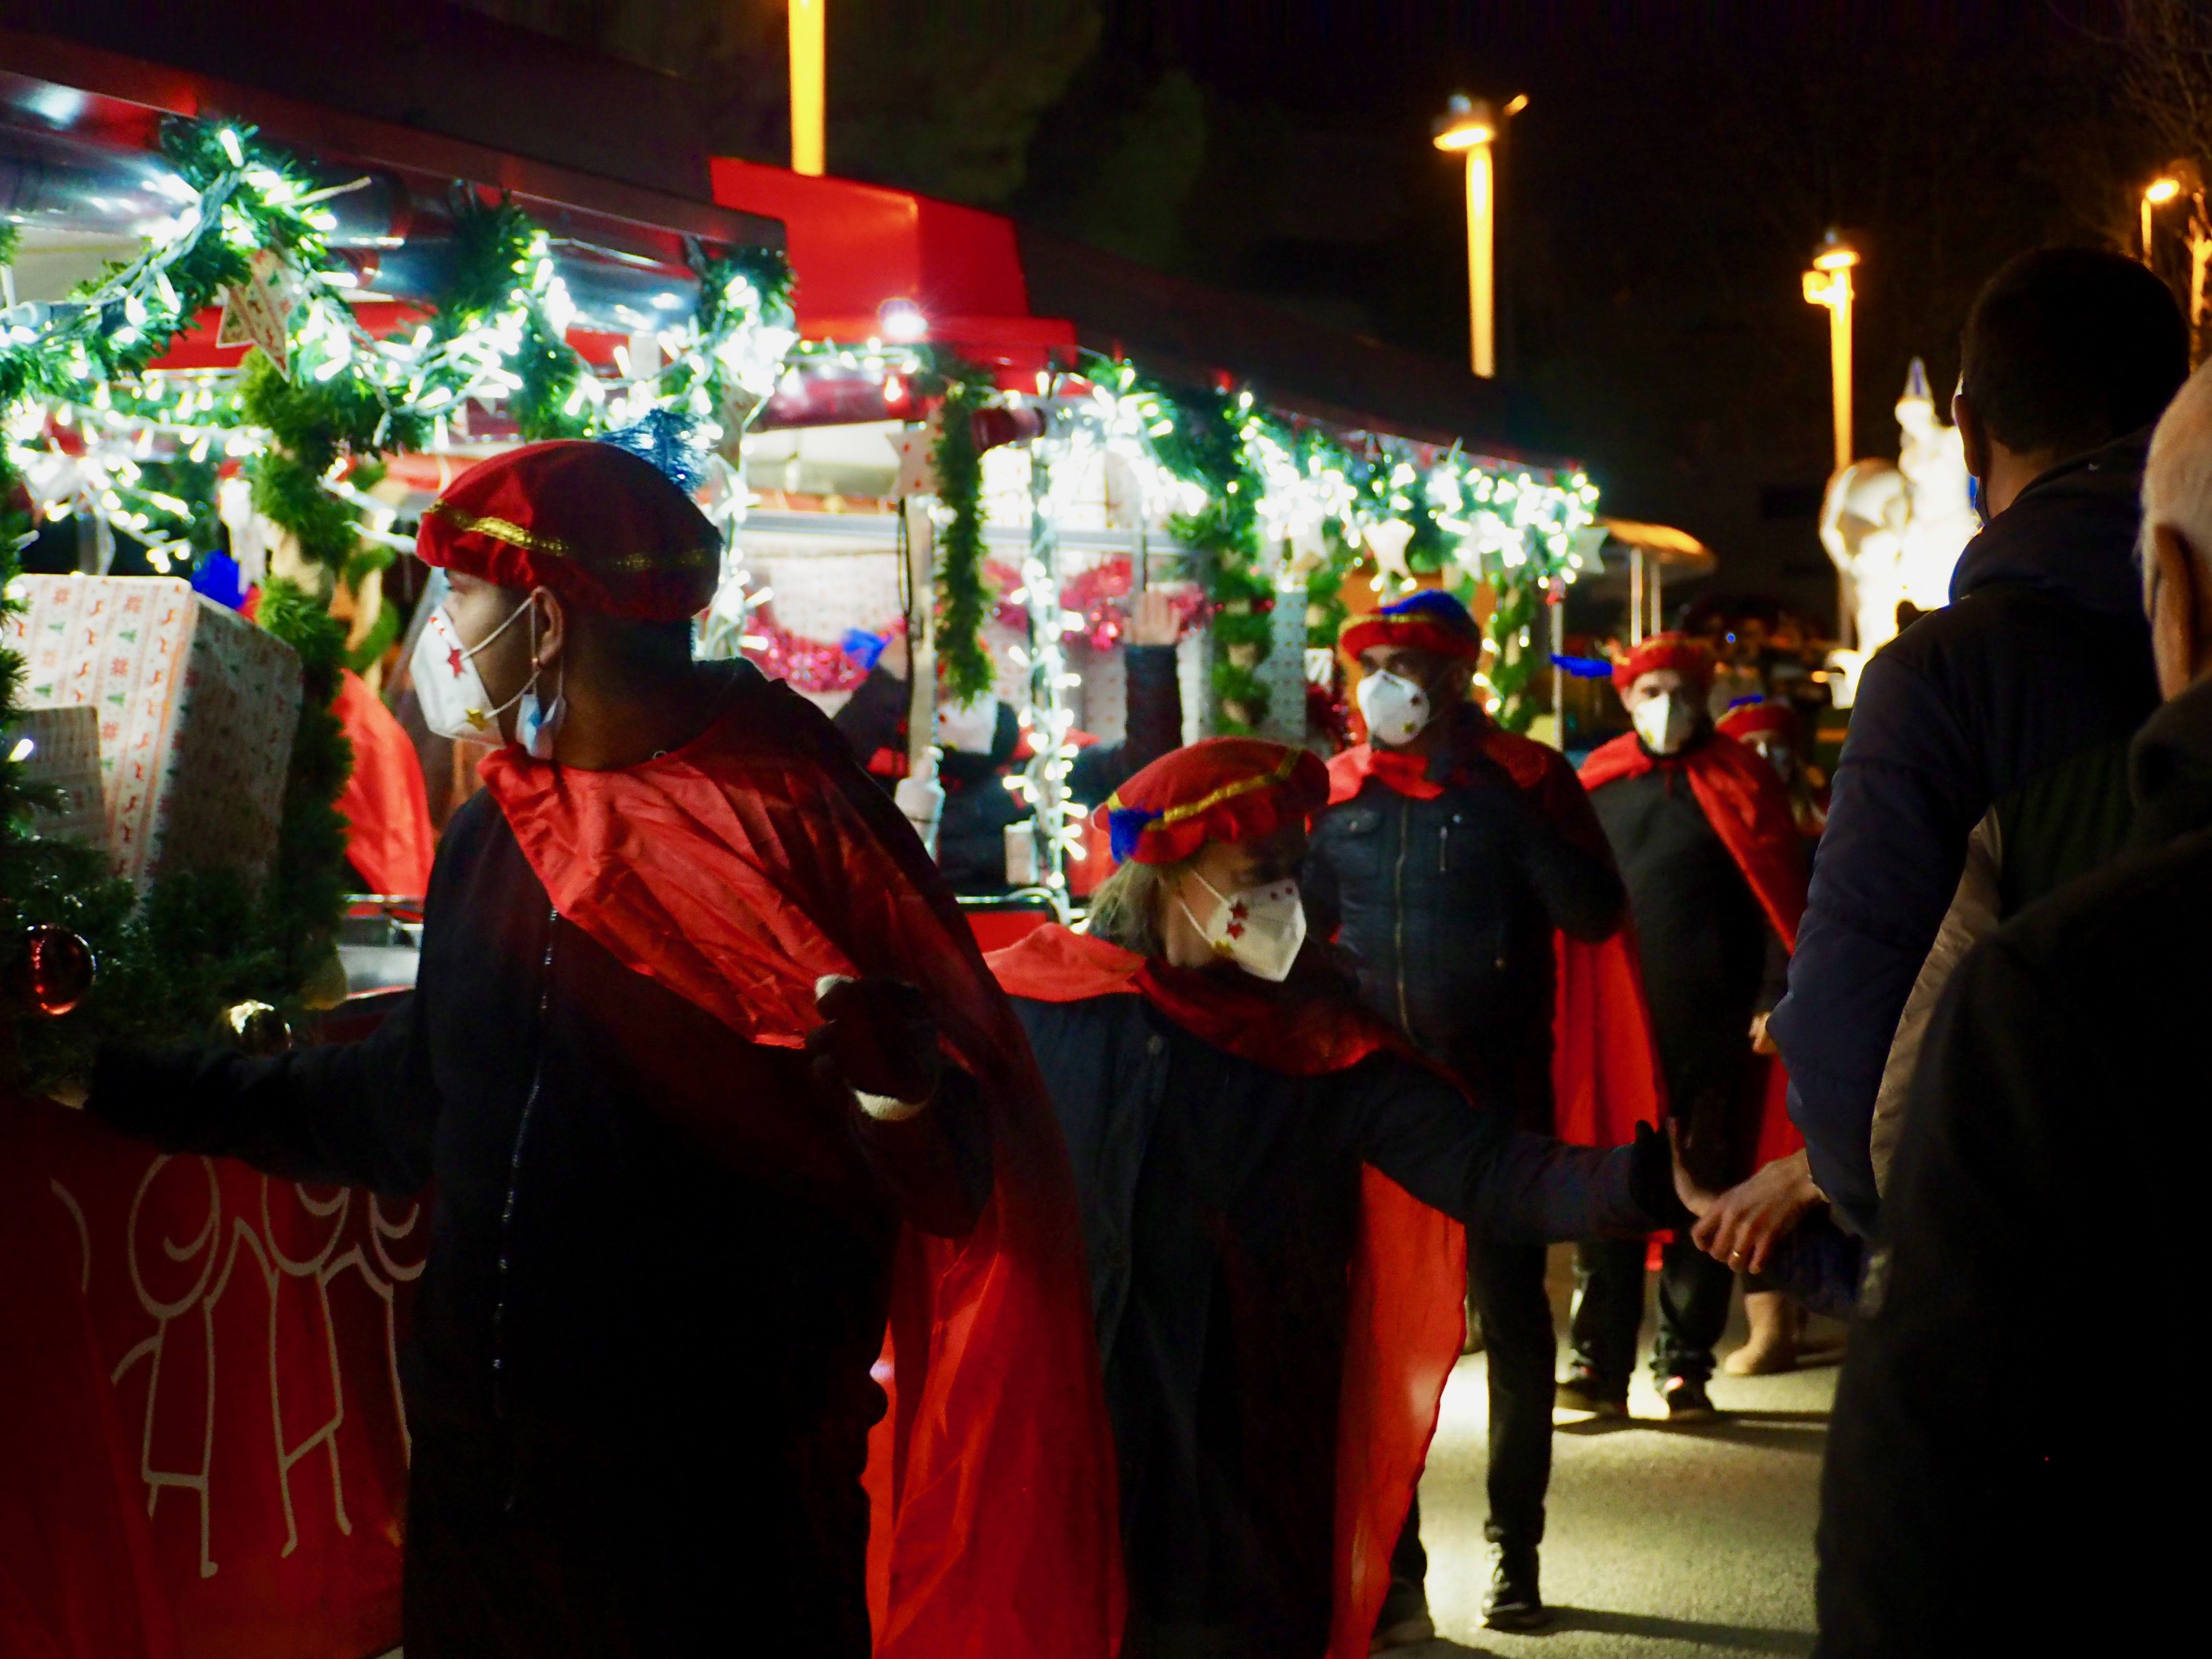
{"points": [[53, 971]]}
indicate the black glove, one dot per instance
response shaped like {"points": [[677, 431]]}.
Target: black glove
{"points": [[1651, 1182], [877, 1038]]}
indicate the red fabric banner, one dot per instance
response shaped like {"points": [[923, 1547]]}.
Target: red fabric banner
{"points": [[199, 1406]]}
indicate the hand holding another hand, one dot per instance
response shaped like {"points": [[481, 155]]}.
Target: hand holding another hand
{"points": [[1741, 1226]]}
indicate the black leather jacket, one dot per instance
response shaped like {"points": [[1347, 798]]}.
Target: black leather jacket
{"points": [[1449, 906]]}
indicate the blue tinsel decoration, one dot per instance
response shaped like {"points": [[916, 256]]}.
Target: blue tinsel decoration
{"points": [[1583, 668], [864, 647], [670, 443]]}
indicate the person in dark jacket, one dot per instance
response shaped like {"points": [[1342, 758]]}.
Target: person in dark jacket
{"points": [[1274, 1328], [980, 742], [678, 1095], [1704, 838], [1962, 1509], [2009, 708], [1450, 855]]}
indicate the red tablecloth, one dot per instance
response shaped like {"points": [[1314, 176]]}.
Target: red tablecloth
{"points": [[200, 1424]]}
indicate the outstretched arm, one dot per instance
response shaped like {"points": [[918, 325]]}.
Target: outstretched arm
{"points": [[1421, 1131], [360, 1114]]}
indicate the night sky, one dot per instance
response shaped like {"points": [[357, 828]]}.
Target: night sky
{"points": [[1660, 194], [1663, 190]]}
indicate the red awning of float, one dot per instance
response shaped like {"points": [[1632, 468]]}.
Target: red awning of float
{"points": [[860, 251]]}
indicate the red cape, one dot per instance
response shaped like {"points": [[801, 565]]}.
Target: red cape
{"points": [[1605, 1065], [387, 808], [736, 871], [1406, 1318], [1749, 810]]}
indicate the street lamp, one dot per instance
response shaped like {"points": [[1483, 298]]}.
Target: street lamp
{"points": [[2156, 194], [1469, 128], [808, 25], [1829, 283]]}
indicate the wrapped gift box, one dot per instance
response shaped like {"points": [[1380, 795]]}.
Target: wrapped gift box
{"points": [[196, 709]]}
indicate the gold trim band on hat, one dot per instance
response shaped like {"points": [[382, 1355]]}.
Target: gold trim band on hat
{"points": [[1227, 792], [506, 530]]}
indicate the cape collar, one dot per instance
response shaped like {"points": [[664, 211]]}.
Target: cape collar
{"points": [[1308, 1026]]}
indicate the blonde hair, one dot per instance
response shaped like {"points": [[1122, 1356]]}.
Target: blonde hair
{"points": [[1128, 907]]}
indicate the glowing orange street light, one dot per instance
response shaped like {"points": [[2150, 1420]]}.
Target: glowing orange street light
{"points": [[807, 22], [2156, 194], [1469, 128], [1829, 283]]}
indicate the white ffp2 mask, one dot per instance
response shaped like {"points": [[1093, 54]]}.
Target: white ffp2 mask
{"points": [[970, 728], [1261, 929], [1665, 722], [451, 694], [1395, 709]]}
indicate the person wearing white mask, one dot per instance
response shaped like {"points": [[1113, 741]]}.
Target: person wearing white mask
{"points": [[1270, 1180], [1703, 832], [702, 1083], [1453, 855]]}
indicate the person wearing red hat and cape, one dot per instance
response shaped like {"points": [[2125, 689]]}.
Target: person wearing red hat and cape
{"points": [[722, 1113], [1716, 871], [1273, 1186], [1473, 888], [1772, 730]]}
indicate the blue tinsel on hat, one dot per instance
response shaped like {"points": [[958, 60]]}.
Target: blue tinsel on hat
{"points": [[670, 443]]}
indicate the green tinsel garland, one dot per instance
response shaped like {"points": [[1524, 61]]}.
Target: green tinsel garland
{"points": [[963, 602], [1513, 671], [198, 943], [1204, 444]]}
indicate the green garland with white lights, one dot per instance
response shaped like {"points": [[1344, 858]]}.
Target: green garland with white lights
{"points": [[313, 439]]}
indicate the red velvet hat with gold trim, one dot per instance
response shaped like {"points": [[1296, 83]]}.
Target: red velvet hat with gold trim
{"points": [[1687, 657], [1754, 718], [1219, 789], [595, 524], [1431, 620]]}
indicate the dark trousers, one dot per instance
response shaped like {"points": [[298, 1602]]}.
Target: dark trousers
{"points": [[1507, 1283], [1693, 1309]]}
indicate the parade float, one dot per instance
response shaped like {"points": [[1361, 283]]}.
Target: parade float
{"points": [[237, 361]]}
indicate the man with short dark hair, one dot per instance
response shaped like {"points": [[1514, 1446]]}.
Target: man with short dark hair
{"points": [[2011, 709], [710, 1084], [1963, 1509]]}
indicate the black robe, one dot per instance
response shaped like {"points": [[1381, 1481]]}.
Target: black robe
{"points": [[637, 1382], [1710, 958], [1220, 1201]]}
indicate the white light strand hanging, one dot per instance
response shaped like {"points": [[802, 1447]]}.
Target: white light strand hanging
{"points": [[1047, 718]]}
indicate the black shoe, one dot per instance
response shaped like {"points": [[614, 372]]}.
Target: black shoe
{"points": [[1404, 1621], [1581, 1391], [1687, 1400], [1514, 1602]]}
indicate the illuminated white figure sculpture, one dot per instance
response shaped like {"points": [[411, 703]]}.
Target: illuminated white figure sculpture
{"points": [[1896, 531]]}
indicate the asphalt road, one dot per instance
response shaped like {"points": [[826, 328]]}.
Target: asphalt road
{"points": [[1663, 1541]]}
